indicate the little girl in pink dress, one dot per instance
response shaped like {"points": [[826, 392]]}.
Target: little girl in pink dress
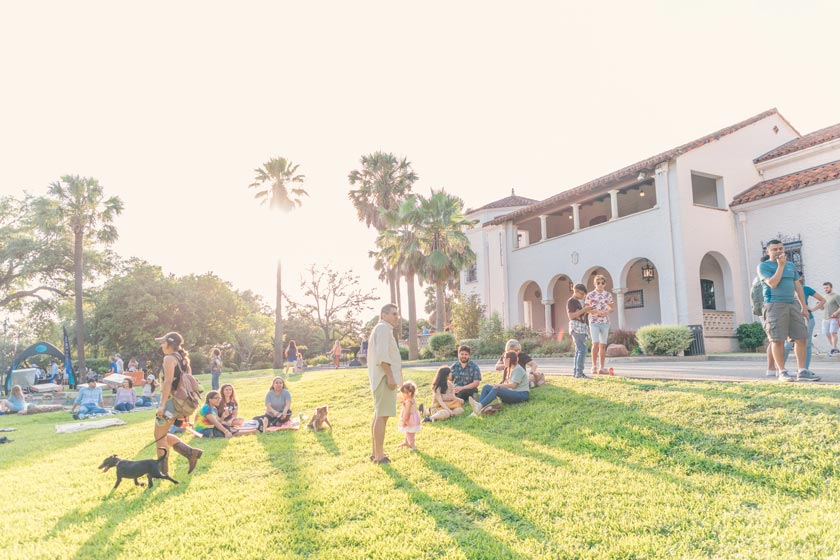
{"points": [[409, 422]]}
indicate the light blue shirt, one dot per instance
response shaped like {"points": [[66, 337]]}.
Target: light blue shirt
{"points": [[89, 396]]}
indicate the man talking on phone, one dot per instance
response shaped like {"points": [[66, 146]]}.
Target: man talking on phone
{"points": [[785, 311]]}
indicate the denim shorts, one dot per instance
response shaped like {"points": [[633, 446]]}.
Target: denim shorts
{"points": [[599, 332]]}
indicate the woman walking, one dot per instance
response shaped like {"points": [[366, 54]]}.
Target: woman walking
{"points": [[336, 353], [175, 362]]}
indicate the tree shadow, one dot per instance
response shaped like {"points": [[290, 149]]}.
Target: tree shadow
{"points": [[119, 509], [461, 525], [599, 418]]}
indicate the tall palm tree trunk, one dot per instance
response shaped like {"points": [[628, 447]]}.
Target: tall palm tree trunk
{"points": [[440, 307], [78, 265], [392, 285], [412, 317], [278, 323]]}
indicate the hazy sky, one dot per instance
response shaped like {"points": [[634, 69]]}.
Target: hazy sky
{"points": [[171, 105]]}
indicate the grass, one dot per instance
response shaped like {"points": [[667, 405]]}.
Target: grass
{"points": [[607, 468]]}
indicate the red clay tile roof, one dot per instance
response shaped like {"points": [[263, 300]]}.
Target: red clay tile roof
{"points": [[507, 202], [789, 183], [604, 184], [813, 139]]}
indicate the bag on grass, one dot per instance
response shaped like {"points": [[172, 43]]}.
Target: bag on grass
{"points": [[186, 391]]}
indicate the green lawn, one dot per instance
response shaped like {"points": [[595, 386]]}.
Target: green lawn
{"points": [[606, 468]]}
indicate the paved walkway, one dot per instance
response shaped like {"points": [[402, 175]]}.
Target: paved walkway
{"points": [[715, 368]]}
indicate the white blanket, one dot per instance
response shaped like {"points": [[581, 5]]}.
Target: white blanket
{"points": [[82, 426]]}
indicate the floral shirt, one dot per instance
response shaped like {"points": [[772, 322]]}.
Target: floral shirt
{"points": [[598, 302], [464, 375]]}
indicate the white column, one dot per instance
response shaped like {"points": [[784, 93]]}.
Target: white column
{"points": [[576, 216], [548, 303], [619, 306], [543, 227], [613, 204]]}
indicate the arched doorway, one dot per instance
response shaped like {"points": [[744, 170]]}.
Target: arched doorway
{"points": [[640, 280], [531, 309], [561, 288], [715, 283]]}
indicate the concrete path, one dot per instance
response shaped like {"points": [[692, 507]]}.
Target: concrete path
{"points": [[717, 368]]}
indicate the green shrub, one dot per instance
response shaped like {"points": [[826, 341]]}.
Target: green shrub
{"points": [[443, 345], [664, 340], [261, 365], [318, 360], [625, 337], [491, 337], [473, 343], [530, 345], [403, 352], [426, 353], [99, 365], [750, 336]]}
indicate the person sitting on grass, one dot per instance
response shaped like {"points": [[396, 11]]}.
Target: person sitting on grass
{"points": [[126, 396], [445, 404], [89, 400], [207, 421], [514, 388], [229, 407], [278, 403], [149, 385], [15, 403], [536, 379]]}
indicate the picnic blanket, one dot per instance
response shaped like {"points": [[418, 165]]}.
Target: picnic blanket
{"points": [[293, 424], [82, 426]]}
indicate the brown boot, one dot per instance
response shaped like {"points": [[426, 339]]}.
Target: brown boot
{"points": [[193, 454]]}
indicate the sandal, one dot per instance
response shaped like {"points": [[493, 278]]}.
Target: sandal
{"points": [[603, 372]]}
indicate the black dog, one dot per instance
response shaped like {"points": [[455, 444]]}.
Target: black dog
{"points": [[137, 469]]}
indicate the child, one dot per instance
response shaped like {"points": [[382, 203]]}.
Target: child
{"points": [[299, 364], [410, 416]]}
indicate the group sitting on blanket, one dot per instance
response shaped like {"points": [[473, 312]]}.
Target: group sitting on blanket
{"points": [[218, 417]]}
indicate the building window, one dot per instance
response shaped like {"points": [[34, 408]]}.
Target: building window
{"points": [[707, 290], [707, 190], [472, 274]]}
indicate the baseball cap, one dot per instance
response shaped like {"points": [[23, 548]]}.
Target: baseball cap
{"points": [[150, 377], [172, 338]]}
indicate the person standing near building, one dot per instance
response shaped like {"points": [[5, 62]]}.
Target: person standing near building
{"points": [[809, 343], [578, 328], [830, 321], [785, 311], [385, 373], [601, 303]]}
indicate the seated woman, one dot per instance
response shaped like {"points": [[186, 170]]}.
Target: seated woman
{"points": [[536, 379], [278, 403], [207, 421], [229, 407], [445, 404], [514, 388], [149, 385], [133, 365], [15, 403], [126, 396]]}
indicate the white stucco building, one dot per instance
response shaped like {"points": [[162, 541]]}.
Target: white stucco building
{"points": [[693, 218]]}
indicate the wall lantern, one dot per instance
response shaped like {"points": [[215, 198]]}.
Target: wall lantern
{"points": [[648, 272]]}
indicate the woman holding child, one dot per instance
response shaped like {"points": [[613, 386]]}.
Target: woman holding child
{"points": [[514, 388]]}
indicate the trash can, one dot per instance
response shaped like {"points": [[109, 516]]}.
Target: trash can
{"points": [[697, 346]]}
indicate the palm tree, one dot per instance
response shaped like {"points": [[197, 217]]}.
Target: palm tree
{"points": [[383, 183], [447, 251], [78, 205], [401, 247], [275, 182]]}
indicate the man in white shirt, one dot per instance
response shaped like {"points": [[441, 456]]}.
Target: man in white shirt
{"points": [[120, 364], [385, 373]]}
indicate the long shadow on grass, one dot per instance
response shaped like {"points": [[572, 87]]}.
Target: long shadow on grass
{"points": [[758, 399], [593, 416], [303, 535], [458, 522], [118, 508], [523, 527]]}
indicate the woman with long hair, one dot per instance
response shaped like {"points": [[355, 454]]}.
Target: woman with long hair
{"points": [[291, 357], [336, 353], [514, 388], [176, 360], [445, 404], [278, 405], [229, 406]]}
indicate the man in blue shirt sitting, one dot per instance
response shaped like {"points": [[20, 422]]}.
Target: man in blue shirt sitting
{"points": [[785, 311]]}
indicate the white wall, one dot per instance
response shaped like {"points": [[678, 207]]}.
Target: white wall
{"points": [[803, 159]]}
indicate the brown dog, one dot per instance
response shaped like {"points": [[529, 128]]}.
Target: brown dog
{"points": [[319, 419]]}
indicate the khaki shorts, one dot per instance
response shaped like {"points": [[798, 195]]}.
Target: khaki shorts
{"points": [[783, 320], [384, 399]]}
